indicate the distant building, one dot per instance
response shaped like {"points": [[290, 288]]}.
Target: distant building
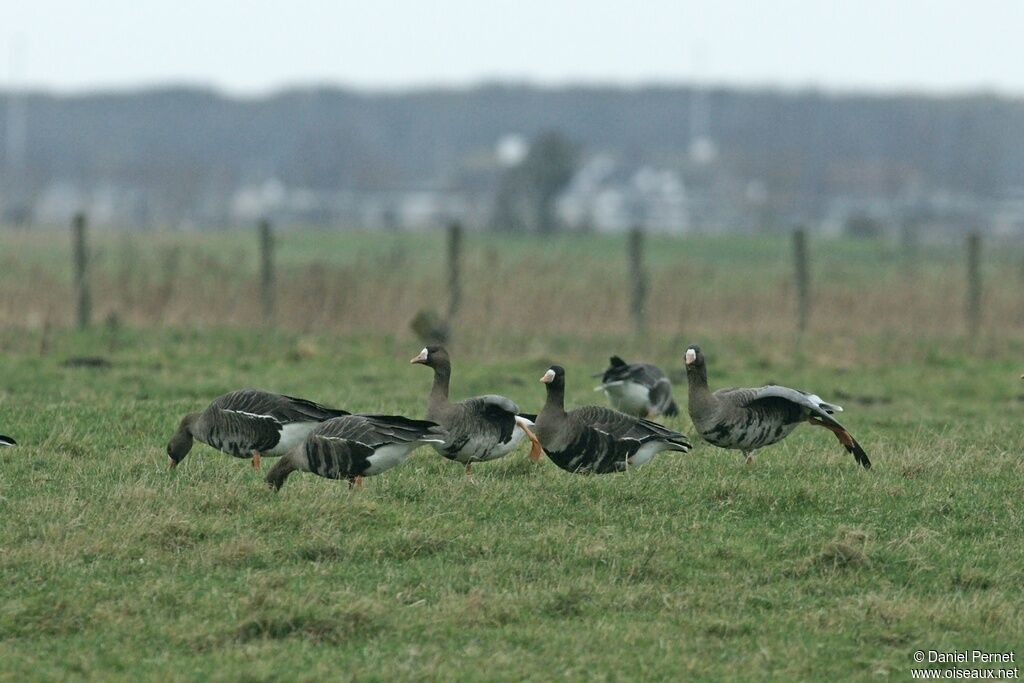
{"points": [[606, 197]]}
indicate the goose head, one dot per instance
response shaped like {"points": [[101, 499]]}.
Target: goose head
{"points": [[181, 441], [694, 357], [433, 357], [554, 378]]}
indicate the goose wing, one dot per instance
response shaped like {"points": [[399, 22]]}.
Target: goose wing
{"points": [[619, 371], [660, 397], [772, 393], [380, 430], [344, 446], [7, 441], [491, 413], [284, 409], [621, 427], [239, 432]]}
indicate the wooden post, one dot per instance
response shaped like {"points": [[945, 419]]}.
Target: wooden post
{"points": [[802, 279], [973, 281], [639, 279], [266, 237], [80, 271], [454, 269]]}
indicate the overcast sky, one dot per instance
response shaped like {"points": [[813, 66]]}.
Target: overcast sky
{"points": [[253, 47]]}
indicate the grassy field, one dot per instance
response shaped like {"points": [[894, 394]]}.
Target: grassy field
{"points": [[354, 283], [800, 567]]}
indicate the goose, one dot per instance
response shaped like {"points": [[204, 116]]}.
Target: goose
{"points": [[749, 419], [355, 446], [637, 389], [249, 423], [479, 429], [598, 440], [7, 441]]}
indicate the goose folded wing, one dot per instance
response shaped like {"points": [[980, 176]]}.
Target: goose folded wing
{"points": [[384, 429], [285, 409], [300, 410], [258, 432], [621, 426]]}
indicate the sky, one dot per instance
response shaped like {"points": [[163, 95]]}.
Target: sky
{"points": [[251, 48]]}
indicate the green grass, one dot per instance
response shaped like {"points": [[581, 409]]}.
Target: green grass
{"points": [[801, 566]]}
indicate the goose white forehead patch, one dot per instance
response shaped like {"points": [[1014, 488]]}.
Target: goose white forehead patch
{"points": [[691, 356]]}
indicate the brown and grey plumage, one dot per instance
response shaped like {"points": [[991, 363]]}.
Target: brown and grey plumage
{"points": [[638, 389], [356, 446], [479, 429], [7, 441], [248, 424], [598, 440], [749, 419]]}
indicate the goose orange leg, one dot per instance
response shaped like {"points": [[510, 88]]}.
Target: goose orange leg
{"points": [[845, 438], [841, 434], [255, 460], [536, 450], [355, 482], [469, 469]]}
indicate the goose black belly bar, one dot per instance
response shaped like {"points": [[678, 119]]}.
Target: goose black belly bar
{"points": [[356, 446]]}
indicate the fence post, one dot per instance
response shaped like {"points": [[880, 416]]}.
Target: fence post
{"points": [[454, 269], [973, 281], [802, 280], [80, 271], [639, 279], [266, 238]]}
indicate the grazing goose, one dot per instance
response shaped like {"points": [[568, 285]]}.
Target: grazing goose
{"points": [[479, 429], [250, 423], [748, 419], [637, 389], [7, 441], [597, 440], [355, 446]]}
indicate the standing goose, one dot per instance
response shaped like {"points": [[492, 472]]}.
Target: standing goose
{"points": [[250, 423], [748, 419], [355, 446], [479, 429], [7, 441], [637, 389], [598, 440]]}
